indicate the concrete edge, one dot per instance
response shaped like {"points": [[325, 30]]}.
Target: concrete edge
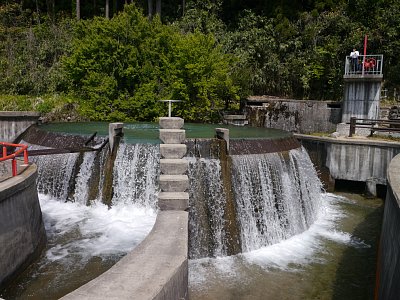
{"points": [[393, 177], [19, 114], [349, 141], [156, 269], [17, 183]]}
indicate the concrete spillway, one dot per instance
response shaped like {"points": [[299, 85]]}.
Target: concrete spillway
{"points": [[237, 202]]}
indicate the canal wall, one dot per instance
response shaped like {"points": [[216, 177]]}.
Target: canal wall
{"points": [[389, 255], [350, 159], [156, 269], [22, 233], [14, 123]]}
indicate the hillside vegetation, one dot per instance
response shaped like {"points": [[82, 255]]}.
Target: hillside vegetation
{"points": [[115, 63]]}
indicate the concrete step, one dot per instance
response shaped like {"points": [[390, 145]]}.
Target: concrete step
{"points": [[172, 136], [174, 183], [173, 201], [173, 166], [173, 151], [171, 122]]}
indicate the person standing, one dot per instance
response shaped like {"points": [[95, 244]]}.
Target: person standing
{"points": [[354, 59]]}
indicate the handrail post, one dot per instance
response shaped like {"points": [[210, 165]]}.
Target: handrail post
{"points": [[14, 167], [4, 151], [352, 126], [26, 160]]}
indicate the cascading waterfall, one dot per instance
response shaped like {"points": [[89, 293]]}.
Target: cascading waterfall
{"points": [[55, 172], [82, 179], [136, 170], [206, 218], [135, 175], [277, 196]]}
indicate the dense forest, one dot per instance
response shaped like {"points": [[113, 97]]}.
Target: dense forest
{"points": [[113, 59]]}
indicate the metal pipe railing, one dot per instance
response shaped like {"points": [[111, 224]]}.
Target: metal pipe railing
{"points": [[364, 65], [23, 149]]}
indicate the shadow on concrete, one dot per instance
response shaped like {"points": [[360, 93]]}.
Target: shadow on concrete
{"points": [[356, 272]]}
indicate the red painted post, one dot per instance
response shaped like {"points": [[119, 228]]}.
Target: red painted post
{"points": [[26, 161], [14, 167], [365, 45], [4, 151], [365, 53]]}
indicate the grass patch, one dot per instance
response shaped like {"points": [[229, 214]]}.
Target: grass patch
{"points": [[384, 138], [43, 104], [321, 134], [389, 102], [53, 108]]}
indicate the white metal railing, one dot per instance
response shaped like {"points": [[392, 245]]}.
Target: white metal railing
{"points": [[364, 65]]}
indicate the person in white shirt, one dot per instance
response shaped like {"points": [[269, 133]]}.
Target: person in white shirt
{"points": [[354, 59]]}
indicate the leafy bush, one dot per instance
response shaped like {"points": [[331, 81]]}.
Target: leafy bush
{"points": [[121, 67]]}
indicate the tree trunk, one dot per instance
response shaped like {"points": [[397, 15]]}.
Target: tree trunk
{"points": [[183, 7], [78, 9], [158, 7], [37, 12], [150, 7], [107, 9]]}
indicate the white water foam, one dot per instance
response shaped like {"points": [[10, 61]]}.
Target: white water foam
{"points": [[97, 230], [288, 255]]}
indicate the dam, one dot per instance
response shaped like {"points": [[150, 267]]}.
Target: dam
{"points": [[240, 202]]}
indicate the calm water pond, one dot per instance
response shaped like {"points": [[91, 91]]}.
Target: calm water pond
{"points": [[335, 259], [148, 132]]}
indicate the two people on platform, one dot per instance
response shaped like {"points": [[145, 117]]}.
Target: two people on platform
{"points": [[354, 60]]}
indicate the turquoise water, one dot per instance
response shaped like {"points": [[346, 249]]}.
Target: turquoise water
{"points": [[148, 132]]}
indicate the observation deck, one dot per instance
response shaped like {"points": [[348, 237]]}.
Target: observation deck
{"points": [[364, 67]]}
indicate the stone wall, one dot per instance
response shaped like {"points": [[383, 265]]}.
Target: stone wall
{"points": [[298, 116], [22, 233], [389, 255], [14, 123]]}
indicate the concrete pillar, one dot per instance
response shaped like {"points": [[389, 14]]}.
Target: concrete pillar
{"points": [[361, 97], [114, 130], [223, 133], [173, 179], [371, 186]]}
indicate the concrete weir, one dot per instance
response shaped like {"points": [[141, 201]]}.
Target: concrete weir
{"points": [[158, 267]]}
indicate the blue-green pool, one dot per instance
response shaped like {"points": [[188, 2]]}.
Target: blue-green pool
{"points": [[148, 132]]}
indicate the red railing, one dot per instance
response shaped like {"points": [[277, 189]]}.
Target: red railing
{"points": [[12, 156]]}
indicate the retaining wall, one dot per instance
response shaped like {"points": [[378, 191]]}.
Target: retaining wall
{"points": [[350, 159], [22, 233], [389, 254], [14, 123], [156, 269], [301, 116]]}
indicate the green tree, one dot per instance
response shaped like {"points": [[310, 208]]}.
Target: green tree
{"points": [[122, 66]]}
